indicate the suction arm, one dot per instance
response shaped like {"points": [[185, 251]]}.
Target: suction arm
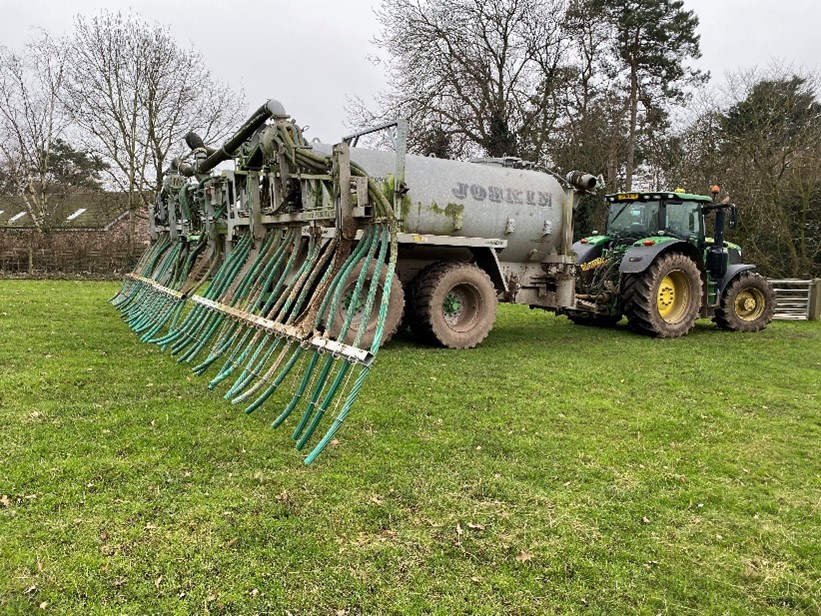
{"points": [[582, 181], [272, 108]]}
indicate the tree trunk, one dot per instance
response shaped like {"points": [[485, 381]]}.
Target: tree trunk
{"points": [[631, 137], [131, 228]]}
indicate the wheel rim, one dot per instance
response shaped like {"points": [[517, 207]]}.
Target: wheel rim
{"points": [[673, 297], [355, 305], [460, 306], [351, 303], [750, 304], [352, 306]]}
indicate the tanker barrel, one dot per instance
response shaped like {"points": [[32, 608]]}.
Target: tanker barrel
{"points": [[257, 119], [582, 181]]}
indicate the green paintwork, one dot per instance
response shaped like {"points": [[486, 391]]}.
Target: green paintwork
{"points": [[451, 305], [596, 240], [657, 239], [709, 241]]}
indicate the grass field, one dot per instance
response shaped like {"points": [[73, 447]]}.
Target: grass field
{"points": [[555, 469]]}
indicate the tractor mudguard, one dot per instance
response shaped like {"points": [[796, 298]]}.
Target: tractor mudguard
{"points": [[732, 272], [638, 258], [587, 252]]}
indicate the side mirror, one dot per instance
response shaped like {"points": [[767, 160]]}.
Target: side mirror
{"points": [[733, 217]]}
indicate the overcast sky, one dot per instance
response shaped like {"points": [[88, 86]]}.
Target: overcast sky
{"points": [[313, 55]]}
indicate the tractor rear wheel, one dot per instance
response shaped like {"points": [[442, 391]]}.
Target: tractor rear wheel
{"points": [[348, 303], [747, 304], [453, 304], [665, 299]]}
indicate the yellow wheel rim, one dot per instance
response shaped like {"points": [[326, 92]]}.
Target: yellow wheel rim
{"points": [[673, 297], [750, 304]]}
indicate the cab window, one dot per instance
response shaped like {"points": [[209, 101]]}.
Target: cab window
{"points": [[639, 218], [684, 219]]}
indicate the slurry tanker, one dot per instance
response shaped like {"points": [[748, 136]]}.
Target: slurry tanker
{"points": [[288, 272]]}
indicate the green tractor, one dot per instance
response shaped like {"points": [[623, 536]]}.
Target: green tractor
{"points": [[655, 265]]}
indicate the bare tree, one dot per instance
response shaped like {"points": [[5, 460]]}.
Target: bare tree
{"points": [[134, 93], [694, 159], [30, 123], [592, 132], [473, 76]]}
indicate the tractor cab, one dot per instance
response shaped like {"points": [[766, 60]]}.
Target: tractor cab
{"points": [[634, 216]]}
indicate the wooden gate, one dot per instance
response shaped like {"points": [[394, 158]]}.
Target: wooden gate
{"points": [[792, 298]]}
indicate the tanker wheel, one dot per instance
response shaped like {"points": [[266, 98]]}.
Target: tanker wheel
{"points": [[348, 303], [664, 300], [747, 304], [454, 305]]}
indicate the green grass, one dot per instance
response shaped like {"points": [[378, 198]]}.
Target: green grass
{"points": [[555, 469]]}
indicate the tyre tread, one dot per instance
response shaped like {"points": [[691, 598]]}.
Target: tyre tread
{"points": [[725, 315], [639, 298], [423, 308]]}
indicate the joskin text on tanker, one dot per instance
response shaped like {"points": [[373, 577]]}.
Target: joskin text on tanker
{"points": [[496, 194]]}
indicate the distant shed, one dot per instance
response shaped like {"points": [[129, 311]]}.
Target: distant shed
{"points": [[88, 235]]}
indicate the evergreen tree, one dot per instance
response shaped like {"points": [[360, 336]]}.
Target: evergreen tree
{"points": [[653, 40], [74, 168], [771, 145]]}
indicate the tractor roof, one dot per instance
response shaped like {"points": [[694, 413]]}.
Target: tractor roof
{"points": [[656, 196]]}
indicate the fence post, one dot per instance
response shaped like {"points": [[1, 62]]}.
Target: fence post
{"points": [[814, 311]]}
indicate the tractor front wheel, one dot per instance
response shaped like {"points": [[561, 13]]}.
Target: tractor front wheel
{"points": [[453, 305], [665, 299], [747, 304]]}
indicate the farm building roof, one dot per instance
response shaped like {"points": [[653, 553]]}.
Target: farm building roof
{"points": [[76, 211]]}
